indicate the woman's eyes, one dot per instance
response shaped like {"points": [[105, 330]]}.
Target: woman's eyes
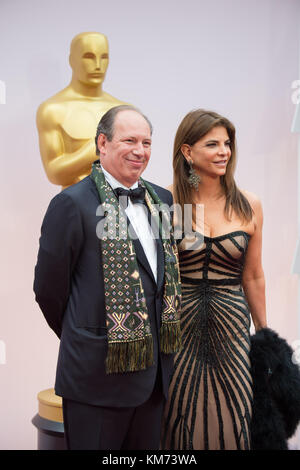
{"points": [[213, 144]]}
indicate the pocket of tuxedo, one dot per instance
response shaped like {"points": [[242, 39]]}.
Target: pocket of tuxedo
{"points": [[96, 331]]}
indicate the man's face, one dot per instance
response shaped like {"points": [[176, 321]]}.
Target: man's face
{"points": [[126, 156], [89, 59]]}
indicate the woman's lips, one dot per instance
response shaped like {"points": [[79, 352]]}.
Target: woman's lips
{"points": [[221, 163]]}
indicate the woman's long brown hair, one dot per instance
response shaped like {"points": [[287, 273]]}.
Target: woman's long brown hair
{"points": [[193, 127]]}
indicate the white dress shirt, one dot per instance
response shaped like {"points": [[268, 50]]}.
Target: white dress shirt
{"points": [[139, 221]]}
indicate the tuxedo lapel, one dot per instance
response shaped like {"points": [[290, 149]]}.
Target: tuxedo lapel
{"points": [[142, 258], [160, 263], [94, 190], [139, 251]]}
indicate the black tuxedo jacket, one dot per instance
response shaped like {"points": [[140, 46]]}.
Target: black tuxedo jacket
{"points": [[69, 288]]}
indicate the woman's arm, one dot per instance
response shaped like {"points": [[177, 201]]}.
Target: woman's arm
{"points": [[253, 275]]}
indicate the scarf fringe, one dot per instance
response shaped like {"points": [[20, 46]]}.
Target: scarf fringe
{"points": [[170, 337], [130, 357]]}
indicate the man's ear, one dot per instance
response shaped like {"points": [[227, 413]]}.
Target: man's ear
{"points": [[101, 144]]}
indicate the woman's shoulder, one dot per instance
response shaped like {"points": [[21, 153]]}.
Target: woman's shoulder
{"points": [[170, 188], [252, 198], [256, 206]]}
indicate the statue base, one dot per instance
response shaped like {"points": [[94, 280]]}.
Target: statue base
{"points": [[49, 421]]}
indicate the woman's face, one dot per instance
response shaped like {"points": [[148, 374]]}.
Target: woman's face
{"points": [[211, 153]]}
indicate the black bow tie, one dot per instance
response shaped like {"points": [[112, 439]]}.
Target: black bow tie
{"points": [[136, 195]]}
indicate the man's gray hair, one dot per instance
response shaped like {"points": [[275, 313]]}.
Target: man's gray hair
{"points": [[106, 124]]}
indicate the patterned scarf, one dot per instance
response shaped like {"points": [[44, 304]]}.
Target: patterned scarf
{"points": [[130, 342]]}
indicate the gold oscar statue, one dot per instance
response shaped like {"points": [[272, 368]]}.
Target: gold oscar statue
{"points": [[67, 121]]}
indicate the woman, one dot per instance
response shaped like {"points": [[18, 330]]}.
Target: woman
{"points": [[210, 395]]}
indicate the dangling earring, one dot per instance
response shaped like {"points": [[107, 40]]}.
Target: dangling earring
{"points": [[194, 179]]}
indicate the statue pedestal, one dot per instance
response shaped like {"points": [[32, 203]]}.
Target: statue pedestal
{"points": [[49, 421]]}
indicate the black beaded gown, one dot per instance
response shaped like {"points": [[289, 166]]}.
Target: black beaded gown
{"points": [[210, 395]]}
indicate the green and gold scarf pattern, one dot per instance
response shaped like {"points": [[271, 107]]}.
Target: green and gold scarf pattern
{"points": [[130, 342]]}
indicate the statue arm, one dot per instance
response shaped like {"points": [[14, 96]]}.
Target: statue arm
{"points": [[62, 168]]}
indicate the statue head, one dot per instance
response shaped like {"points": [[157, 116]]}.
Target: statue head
{"points": [[89, 58]]}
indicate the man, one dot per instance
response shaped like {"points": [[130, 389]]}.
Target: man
{"points": [[67, 121], [113, 302]]}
